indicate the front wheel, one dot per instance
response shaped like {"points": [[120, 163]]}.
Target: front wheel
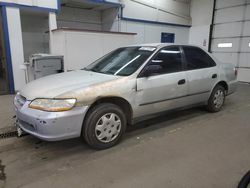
{"points": [[104, 126], [217, 99]]}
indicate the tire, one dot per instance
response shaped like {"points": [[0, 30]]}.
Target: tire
{"points": [[104, 126], [245, 181], [216, 99]]}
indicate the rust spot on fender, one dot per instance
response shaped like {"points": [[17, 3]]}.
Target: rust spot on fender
{"points": [[120, 87]]}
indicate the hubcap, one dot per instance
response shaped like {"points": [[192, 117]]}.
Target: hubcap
{"points": [[219, 98], [108, 127]]}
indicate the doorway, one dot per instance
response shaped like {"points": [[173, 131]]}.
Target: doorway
{"points": [[4, 86]]}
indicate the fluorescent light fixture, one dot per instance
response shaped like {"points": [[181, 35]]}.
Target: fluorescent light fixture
{"points": [[225, 45], [249, 44]]}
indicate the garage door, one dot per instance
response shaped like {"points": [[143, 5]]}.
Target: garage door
{"points": [[231, 35]]}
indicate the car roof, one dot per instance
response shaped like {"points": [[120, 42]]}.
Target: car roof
{"points": [[160, 45]]}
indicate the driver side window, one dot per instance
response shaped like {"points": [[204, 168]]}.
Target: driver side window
{"points": [[169, 59]]}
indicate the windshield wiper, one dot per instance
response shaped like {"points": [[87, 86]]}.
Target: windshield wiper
{"points": [[93, 70]]}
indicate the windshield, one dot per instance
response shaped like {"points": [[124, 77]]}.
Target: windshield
{"points": [[122, 62]]}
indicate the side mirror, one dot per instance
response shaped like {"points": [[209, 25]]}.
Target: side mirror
{"points": [[150, 70]]}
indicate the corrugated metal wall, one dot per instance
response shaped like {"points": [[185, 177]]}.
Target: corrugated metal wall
{"points": [[231, 28]]}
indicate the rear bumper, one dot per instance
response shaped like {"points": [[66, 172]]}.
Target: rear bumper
{"points": [[51, 126]]}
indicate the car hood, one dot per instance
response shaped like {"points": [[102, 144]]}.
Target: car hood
{"points": [[55, 85]]}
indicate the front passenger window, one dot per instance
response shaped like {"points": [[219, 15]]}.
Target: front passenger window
{"points": [[169, 59]]}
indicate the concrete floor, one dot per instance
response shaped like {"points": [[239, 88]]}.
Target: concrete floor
{"points": [[187, 149]]}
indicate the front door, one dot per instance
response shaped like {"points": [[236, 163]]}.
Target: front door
{"points": [[165, 89]]}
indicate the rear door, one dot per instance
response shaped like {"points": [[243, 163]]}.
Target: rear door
{"points": [[202, 73], [166, 89]]}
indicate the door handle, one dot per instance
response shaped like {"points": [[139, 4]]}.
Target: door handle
{"points": [[181, 82], [214, 76]]}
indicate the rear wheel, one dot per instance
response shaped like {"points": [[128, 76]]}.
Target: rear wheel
{"points": [[217, 99], [104, 126]]}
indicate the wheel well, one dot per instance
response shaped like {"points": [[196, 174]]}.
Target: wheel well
{"points": [[223, 84], [122, 103]]}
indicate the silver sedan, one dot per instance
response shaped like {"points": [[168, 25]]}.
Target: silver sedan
{"points": [[121, 88]]}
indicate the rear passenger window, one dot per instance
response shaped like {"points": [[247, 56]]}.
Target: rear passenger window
{"points": [[197, 58], [169, 59]]}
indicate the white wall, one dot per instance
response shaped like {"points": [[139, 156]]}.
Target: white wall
{"points": [[35, 34], [157, 10], [199, 35], [167, 11], [110, 21], [201, 14], [16, 45], [151, 33], [79, 18], [81, 48], [52, 26], [52, 4]]}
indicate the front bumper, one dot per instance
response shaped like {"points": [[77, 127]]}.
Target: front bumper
{"points": [[51, 126]]}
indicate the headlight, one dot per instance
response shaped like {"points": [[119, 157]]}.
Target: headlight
{"points": [[53, 105]]}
